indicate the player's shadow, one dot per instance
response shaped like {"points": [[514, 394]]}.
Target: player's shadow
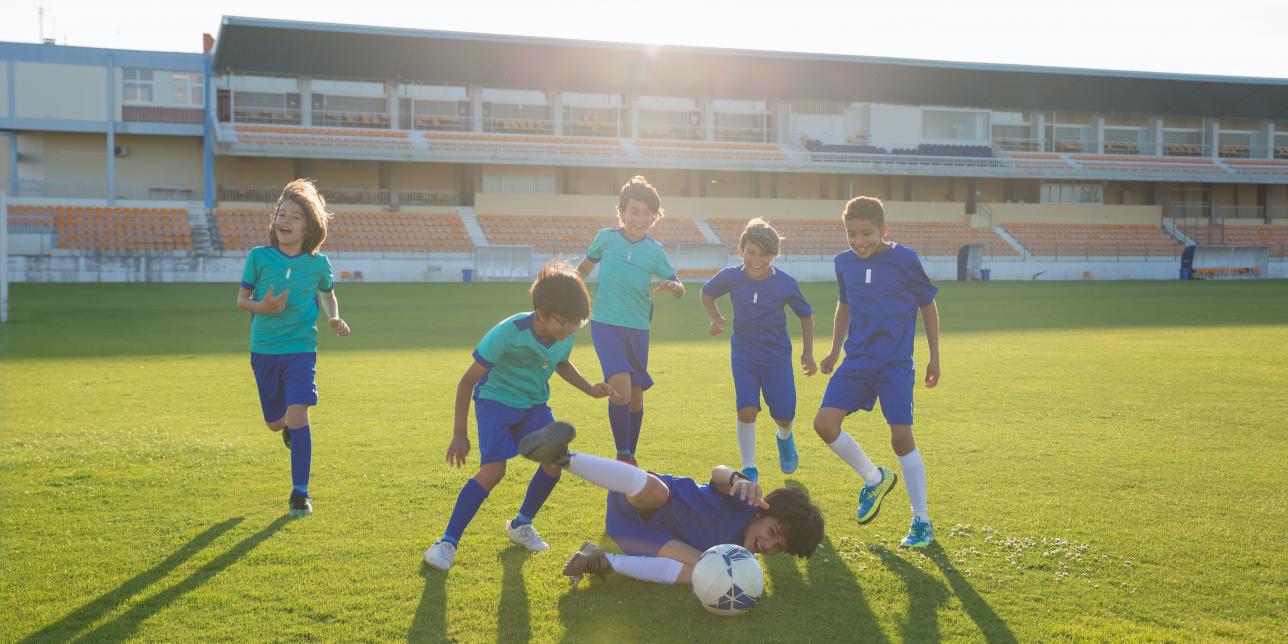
{"points": [[827, 593], [513, 621], [985, 618], [925, 595], [430, 622], [65, 628], [124, 626]]}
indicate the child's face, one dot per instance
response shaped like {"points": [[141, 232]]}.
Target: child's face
{"points": [[765, 536], [865, 237], [290, 224], [550, 325], [755, 261], [637, 219]]}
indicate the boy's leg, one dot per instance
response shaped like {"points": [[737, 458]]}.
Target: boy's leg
{"points": [[442, 553], [779, 384], [895, 391], [301, 393], [613, 351], [591, 559], [914, 470], [637, 418], [549, 446], [268, 370], [636, 341], [619, 412], [746, 394]]}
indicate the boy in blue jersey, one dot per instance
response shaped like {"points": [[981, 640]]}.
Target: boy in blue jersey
{"points": [[881, 286], [628, 258], [663, 523], [760, 351], [509, 381], [279, 288]]}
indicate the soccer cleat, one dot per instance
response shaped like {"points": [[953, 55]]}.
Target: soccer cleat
{"points": [[788, 459], [300, 504], [526, 535], [920, 534], [751, 473], [441, 555], [589, 559], [628, 459], [870, 497], [549, 445], [286, 436]]}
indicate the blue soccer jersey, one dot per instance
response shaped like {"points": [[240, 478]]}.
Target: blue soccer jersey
{"points": [[294, 329], [884, 293], [624, 296], [699, 515], [759, 323], [519, 363]]}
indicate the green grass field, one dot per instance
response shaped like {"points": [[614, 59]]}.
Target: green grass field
{"points": [[1105, 460]]}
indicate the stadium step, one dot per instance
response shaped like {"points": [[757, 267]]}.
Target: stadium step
{"points": [[1015, 243], [471, 221]]}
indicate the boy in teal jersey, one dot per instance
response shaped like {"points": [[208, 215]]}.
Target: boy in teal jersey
{"points": [[628, 259], [509, 383], [279, 288]]}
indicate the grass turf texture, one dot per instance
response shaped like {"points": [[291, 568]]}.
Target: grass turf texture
{"points": [[1105, 462]]}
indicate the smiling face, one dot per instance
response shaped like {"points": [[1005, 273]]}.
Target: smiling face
{"points": [[290, 224], [765, 536], [865, 237], [636, 219], [755, 261]]}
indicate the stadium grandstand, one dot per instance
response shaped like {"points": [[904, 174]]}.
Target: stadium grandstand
{"points": [[446, 155]]}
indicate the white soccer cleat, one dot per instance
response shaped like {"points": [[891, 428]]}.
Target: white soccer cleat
{"points": [[441, 555], [526, 536]]}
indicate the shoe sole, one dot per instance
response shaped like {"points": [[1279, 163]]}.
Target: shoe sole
{"points": [[547, 444], [434, 565], [917, 547], [301, 513], [894, 480]]}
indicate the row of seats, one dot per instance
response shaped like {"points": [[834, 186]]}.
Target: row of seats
{"points": [[572, 235], [1274, 236], [827, 237], [390, 232], [1101, 240], [119, 229], [321, 137]]}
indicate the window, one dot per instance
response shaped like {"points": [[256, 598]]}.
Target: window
{"points": [[187, 88], [138, 85], [1072, 193]]}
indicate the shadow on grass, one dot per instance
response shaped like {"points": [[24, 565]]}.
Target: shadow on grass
{"points": [[430, 622], [78, 619], [925, 595], [988, 621], [126, 624], [513, 621]]}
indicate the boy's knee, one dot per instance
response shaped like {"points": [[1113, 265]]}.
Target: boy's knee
{"points": [[277, 425], [297, 416], [490, 474], [620, 397], [747, 414], [826, 428]]}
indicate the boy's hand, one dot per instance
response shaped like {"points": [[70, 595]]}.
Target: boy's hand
{"points": [[932, 373], [600, 390], [808, 365], [716, 327], [828, 362], [341, 327], [273, 304], [458, 450], [666, 285], [748, 491]]}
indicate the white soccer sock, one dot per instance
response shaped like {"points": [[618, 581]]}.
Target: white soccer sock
{"points": [[914, 480], [784, 431], [660, 570], [747, 442], [851, 453], [608, 473]]}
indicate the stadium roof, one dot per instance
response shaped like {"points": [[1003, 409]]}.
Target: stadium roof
{"points": [[262, 46]]}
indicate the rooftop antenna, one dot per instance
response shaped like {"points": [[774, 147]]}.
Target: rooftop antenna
{"points": [[40, 11]]}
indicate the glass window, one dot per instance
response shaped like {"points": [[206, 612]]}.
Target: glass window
{"points": [[187, 88], [138, 85]]}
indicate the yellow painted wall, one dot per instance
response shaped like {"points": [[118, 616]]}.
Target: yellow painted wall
{"points": [[161, 160], [425, 176], [699, 208], [49, 91], [247, 172], [1017, 213], [330, 174], [69, 156]]}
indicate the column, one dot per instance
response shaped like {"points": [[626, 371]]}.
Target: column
{"points": [[1037, 129], [110, 127], [476, 108]]}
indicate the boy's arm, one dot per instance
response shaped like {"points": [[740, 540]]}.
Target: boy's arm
{"points": [[840, 324], [332, 308], [731, 482], [930, 317], [269, 305], [585, 267], [717, 325], [460, 446], [807, 345], [572, 376]]}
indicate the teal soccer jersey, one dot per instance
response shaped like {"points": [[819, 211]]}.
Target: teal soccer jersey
{"points": [[294, 330], [519, 364], [623, 297]]}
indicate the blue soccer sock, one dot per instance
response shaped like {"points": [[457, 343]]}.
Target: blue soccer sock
{"points": [[539, 489], [637, 420], [619, 419], [301, 457], [468, 502]]}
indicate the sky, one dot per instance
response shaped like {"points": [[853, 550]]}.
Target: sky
{"points": [[1228, 38]]}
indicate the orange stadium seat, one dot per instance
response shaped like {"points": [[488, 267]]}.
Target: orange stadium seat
{"points": [[827, 237], [363, 232], [1094, 240], [116, 229]]}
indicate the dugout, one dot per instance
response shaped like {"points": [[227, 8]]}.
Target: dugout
{"points": [[1204, 262]]}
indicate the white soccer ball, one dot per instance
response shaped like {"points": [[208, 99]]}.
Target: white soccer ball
{"points": [[728, 580]]}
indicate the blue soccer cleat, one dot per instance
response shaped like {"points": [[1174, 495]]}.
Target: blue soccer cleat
{"points": [[871, 496], [787, 457], [751, 473], [920, 535]]}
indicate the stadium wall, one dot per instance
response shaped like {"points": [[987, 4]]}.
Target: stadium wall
{"points": [[80, 93], [161, 160]]}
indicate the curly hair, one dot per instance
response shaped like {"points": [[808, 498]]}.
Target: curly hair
{"points": [[801, 521], [640, 189]]}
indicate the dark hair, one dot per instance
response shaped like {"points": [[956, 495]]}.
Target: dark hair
{"points": [[760, 233], [559, 290], [867, 208], [639, 188], [306, 195], [800, 519]]}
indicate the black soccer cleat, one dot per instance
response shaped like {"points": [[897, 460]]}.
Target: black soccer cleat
{"points": [[590, 559], [300, 504], [549, 445]]}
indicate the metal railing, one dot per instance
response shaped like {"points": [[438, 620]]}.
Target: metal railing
{"points": [[98, 190], [347, 196]]}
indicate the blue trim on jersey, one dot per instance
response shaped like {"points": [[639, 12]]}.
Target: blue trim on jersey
{"points": [[478, 357], [248, 286], [525, 324]]}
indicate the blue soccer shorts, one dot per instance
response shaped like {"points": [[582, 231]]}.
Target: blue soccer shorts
{"points": [[284, 379], [855, 390], [501, 427], [776, 382], [622, 350]]}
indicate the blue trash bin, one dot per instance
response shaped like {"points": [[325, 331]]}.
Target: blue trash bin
{"points": [[985, 274], [467, 275], [1185, 273]]}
